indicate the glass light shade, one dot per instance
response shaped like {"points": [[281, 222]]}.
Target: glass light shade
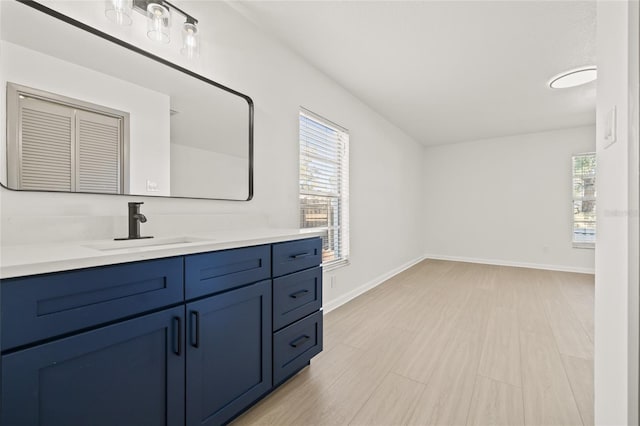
{"points": [[158, 23], [574, 77], [190, 40], [119, 11]]}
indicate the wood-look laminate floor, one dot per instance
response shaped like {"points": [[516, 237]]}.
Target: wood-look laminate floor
{"points": [[449, 343]]}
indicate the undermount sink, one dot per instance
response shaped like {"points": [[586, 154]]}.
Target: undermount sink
{"points": [[147, 242]]}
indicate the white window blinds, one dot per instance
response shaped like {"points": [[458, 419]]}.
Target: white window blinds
{"points": [[324, 184], [584, 199]]}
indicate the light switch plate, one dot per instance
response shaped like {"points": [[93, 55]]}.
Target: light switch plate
{"points": [[610, 128], [152, 186]]}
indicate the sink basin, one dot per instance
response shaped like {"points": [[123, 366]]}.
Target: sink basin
{"points": [[148, 242]]}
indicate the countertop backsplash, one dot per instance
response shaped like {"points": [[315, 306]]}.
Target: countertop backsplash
{"points": [[32, 229]]}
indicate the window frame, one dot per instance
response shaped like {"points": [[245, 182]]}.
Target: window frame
{"points": [[342, 195], [574, 199]]}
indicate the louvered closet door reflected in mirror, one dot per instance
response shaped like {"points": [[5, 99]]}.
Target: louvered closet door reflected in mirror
{"points": [[63, 144], [45, 161]]}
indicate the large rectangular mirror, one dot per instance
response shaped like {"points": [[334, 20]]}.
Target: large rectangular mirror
{"points": [[85, 112]]}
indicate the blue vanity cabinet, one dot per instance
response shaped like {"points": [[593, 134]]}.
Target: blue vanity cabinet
{"points": [[189, 340], [297, 306], [129, 374], [97, 346], [228, 353]]}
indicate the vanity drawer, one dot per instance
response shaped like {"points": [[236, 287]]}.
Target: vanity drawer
{"points": [[296, 296], [43, 306], [295, 345], [297, 255], [210, 273]]}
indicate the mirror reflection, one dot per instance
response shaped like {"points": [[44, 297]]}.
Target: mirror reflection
{"points": [[83, 114]]}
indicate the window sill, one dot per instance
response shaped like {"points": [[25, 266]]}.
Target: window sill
{"points": [[584, 245], [336, 265]]}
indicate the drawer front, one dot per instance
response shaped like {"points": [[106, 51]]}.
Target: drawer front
{"points": [[296, 295], [211, 273], [295, 345], [43, 306], [295, 256]]}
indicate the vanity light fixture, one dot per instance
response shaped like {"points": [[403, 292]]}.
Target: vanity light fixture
{"points": [[158, 22], [158, 13], [190, 39], [119, 11], [574, 77]]}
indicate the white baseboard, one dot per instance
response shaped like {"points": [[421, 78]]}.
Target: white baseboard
{"points": [[330, 306], [562, 268]]}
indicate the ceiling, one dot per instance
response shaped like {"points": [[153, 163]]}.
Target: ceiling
{"points": [[447, 71]]}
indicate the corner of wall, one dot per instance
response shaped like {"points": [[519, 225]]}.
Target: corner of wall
{"points": [[634, 219]]}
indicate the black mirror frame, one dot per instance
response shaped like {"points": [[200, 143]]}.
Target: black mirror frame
{"points": [[55, 14]]}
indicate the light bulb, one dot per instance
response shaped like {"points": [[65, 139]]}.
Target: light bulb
{"points": [[158, 22], [190, 40], [119, 11]]}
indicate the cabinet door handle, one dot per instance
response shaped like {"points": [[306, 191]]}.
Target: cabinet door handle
{"points": [[300, 340], [300, 255], [298, 293], [177, 335], [195, 329]]}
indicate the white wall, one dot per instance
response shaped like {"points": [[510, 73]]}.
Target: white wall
{"points": [[634, 216], [505, 200], [386, 184], [197, 172], [616, 301]]}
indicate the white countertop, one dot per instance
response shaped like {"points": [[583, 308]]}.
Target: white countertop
{"points": [[31, 259]]}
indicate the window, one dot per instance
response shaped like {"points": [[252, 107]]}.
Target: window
{"points": [[584, 200], [56, 143], [324, 184]]}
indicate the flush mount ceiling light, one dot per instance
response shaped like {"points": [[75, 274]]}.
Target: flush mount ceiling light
{"points": [[575, 77], [158, 13]]}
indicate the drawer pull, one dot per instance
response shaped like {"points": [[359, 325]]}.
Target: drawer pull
{"points": [[177, 335], [298, 293], [195, 329], [300, 340], [300, 255]]}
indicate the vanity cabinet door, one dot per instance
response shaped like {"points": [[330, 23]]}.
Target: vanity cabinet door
{"points": [[228, 353], [127, 374]]}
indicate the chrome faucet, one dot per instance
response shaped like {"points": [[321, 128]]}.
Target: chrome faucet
{"points": [[135, 219]]}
